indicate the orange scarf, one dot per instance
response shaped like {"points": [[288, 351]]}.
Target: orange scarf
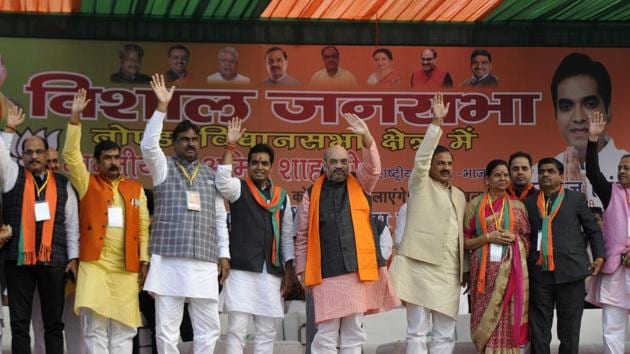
{"points": [[363, 237], [545, 255], [511, 191], [273, 206], [505, 221], [26, 247]]}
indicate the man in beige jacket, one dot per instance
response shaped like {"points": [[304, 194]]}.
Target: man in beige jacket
{"points": [[427, 271]]}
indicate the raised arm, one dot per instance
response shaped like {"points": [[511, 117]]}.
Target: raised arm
{"points": [[8, 167], [152, 154], [228, 186], [601, 186], [79, 175], [370, 167], [423, 157], [234, 134]]}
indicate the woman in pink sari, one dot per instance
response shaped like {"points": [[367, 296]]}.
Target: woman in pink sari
{"points": [[496, 230], [385, 75]]}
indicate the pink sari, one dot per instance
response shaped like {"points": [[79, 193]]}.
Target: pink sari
{"points": [[499, 320]]}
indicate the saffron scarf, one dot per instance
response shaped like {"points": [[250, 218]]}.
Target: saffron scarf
{"points": [[26, 243], [482, 229], [363, 237], [523, 194], [545, 255], [273, 206], [515, 288]]}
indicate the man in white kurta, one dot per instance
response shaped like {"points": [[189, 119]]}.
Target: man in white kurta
{"points": [[427, 270], [261, 247], [189, 243]]}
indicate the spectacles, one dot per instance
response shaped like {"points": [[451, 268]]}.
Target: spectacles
{"points": [[33, 152]]}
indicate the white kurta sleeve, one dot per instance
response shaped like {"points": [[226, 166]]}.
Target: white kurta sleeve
{"points": [[222, 230], [228, 186], [72, 223], [401, 220], [8, 167], [386, 242], [152, 154], [286, 238]]}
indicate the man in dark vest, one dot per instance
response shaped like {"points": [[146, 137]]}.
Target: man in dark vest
{"points": [[335, 248], [45, 223], [261, 246]]}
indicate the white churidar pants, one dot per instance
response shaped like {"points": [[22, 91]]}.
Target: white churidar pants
{"points": [[204, 315], [614, 323], [418, 326], [349, 328], [237, 330], [106, 336]]}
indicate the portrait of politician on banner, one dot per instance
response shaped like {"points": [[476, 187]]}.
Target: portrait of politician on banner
{"points": [[289, 97]]}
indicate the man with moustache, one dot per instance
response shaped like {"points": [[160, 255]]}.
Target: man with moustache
{"points": [[130, 56], [114, 226], [429, 267], [178, 57], [520, 164], [611, 287], [277, 62], [562, 225], [261, 245], [72, 329], [44, 219], [581, 86], [332, 76], [430, 77], [337, 257], [189, 243], [228, 69]]}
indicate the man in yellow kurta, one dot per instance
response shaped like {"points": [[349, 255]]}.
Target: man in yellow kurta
{"points": [[113, 256]]}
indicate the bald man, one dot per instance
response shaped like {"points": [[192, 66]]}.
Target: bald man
{"points": [[336, 253], [53, 159], [430, 77]]}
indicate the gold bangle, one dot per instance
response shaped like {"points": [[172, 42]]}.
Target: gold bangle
{"points": [[9, 129]]}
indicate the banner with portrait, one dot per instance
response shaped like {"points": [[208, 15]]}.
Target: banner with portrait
{"points": [[292, 97]]}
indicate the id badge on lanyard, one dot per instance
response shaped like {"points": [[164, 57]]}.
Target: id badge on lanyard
{"points": [[42, 211], [496, 252], [193, 200]]}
